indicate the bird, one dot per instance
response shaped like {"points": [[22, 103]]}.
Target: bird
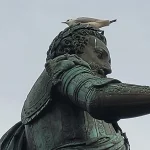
{"points": [[97, 23]]}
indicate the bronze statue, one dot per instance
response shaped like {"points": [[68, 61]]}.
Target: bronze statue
{"points": [[73, 105]]}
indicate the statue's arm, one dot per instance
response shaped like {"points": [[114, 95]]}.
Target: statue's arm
{"points": [[104, 98]]}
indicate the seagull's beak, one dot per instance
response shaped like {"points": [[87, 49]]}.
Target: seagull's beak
{"points": [[64, 22]]}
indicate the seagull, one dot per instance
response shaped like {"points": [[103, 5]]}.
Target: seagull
{"points": [[97, 23]]}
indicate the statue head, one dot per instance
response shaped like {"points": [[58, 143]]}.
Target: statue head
{"points": [[85, 41]]}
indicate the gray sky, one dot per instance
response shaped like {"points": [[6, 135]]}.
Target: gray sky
{"points": [[27, 29]]}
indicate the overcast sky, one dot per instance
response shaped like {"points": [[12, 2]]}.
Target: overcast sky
{"points": [[27, 27]]}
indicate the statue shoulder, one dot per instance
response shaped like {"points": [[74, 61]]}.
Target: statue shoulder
{"points": [[40, 94], [37, 99]]}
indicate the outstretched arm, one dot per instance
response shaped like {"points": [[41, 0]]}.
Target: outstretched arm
{"points": [[104, 98]]}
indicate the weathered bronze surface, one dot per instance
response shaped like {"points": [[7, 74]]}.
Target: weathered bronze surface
{"points": [[73, 105]]}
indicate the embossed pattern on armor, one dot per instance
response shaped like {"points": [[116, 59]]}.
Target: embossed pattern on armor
{"points": [[125, 89]]}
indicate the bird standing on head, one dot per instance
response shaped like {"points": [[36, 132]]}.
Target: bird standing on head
{"points": [[97, 23]]}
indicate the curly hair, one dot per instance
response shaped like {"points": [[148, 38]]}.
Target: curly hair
{"points": [[72, 40]]}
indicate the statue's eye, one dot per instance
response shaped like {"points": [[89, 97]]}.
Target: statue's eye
{"points": [[100, 55]]}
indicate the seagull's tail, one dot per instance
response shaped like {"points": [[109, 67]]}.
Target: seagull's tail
{"points": [[113, 20]]}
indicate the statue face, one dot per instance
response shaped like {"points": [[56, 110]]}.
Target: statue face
{"points": [[97, 55]]}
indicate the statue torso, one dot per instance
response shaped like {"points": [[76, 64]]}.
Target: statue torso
{"points": [[62, 124]]}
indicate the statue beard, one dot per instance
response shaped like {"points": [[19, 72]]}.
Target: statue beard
{"points": [[97, 69]]}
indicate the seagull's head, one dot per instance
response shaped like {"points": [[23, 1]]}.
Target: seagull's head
{"points": [[69, 22]]}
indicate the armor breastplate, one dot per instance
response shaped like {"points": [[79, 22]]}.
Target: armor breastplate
{"points": [[66, 124]]}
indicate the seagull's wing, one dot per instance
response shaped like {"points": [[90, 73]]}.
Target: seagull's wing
{"points": [[86, 19]]}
